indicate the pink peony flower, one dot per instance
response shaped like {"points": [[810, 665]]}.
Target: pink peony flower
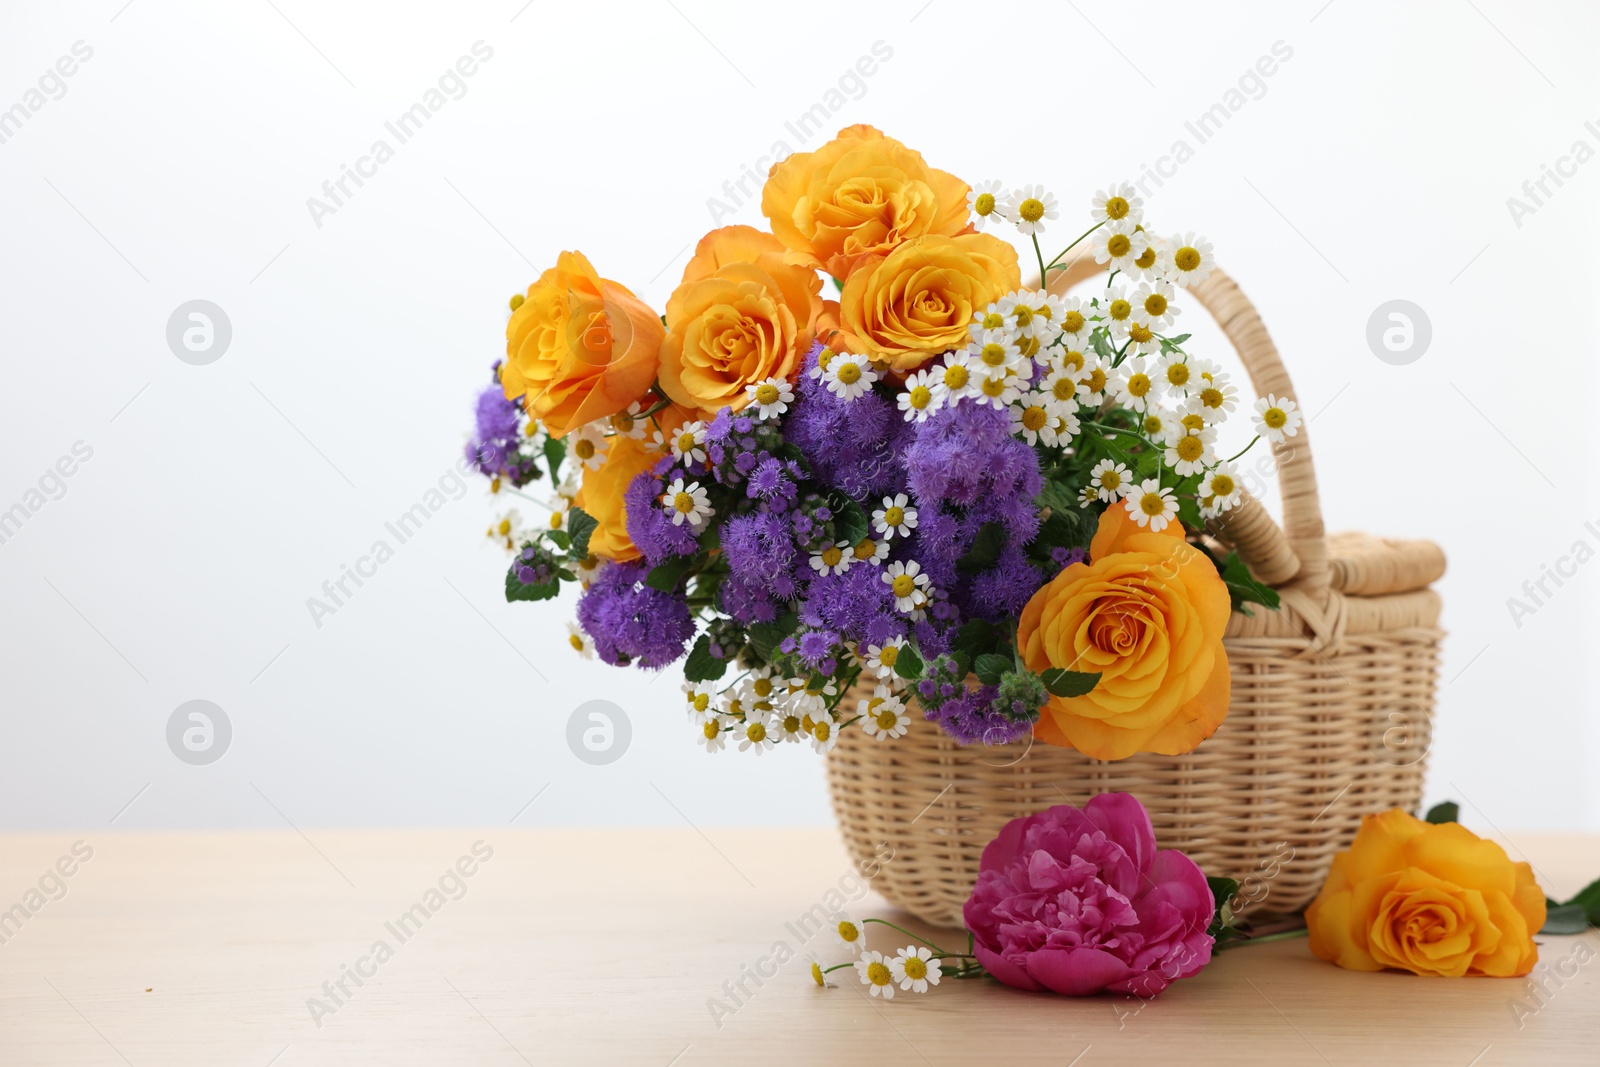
{"points": [[1080, 901]]}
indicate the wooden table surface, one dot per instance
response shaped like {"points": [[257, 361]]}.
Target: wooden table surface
{"points": [[613, 946]]}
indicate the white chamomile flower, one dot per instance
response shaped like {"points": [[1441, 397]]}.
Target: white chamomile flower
{"points": [[816, 969], [1117, 202], [1061, 385], [770, 397], [581, 642], [875, 975], [755, 733], [1118, 244], [588, 445], [1118, 311], [868, 550], [825, 359], [884, 716], [1087, 495], [1033, 417], [1176, 374], [882, 658], [1110, 480], [990, 318], [919, 399], [834, 559], [1277, 417], [1153, 300], [1191, 453], [1022, 309], [849, 376], [954, 380], [1158, 423], [1092, 385], [1219, 490], [1029, 207], [700, 701], [1064, 423], [587, 568], [811, 698], [915, 968], [984, 203], [788, 726], [1151, 505], [687, 445], [687, 503], [849, 934], [1134, 386], [714, 733], [1073, 318], [1148, 265], [995, 350], [1073, 354], [824, 735], [1188, 260], [997, 388], [1213, 392], [909, 584], [630, 423], [895, 518], [1192, 419]]}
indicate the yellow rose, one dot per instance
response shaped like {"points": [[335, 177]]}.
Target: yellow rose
{"points": [[741, 314], [579, 347], [861, 194], [1427, 899], [1147, 613], [601, 496]]}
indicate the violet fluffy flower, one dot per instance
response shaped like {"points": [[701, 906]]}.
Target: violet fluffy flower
{"points": [[650, 527], [761, 553], [853, 445], [495, 439], [629, 621], [1080, 901], [858, 603]]}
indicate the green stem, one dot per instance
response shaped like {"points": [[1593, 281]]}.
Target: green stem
{"points": [[1039, 255], [1287, 935], [1074, 244], [837, 967], [1245, 449]]}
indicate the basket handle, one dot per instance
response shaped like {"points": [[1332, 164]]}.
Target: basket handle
{"points": [[1295, 556]]}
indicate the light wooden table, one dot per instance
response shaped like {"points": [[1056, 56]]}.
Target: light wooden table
{"points": [[605, 946]]}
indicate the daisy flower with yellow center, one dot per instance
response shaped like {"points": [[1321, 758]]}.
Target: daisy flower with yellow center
{"points": [[1029, 207], [1061, 385], [849, 376], [701, 701], [833, 559], [1135, 389], [1087, 495], [1213, 391], [1190, 453], [997, 388], [1092, 385], [1157, 422], [587, 568], [1117, 202], [1110, 480], [849, 934], [588, 445], [909, 584], [825, 359], [992, 318], [1191, 419], [1176, 373], [1151, 505], [868, 550], [896, 518], [1033, 417], [755, 733], [1025, 311], [984, 203], [918, 399], [714, 733], [687, 443], [1220, 489], [1073, 319], [1147, 264], [788, 727], [824, 735], [1154, 301], [915, 968], [770, 397], [1277, 417], [507, 530], [1188, 260], [581, 642], [1117, 309], [1118, 244], [884, 716], [687, 503], [956, 379], [995, 350], [1065, 424], [630, 423], [882, 658], [875, 975]]}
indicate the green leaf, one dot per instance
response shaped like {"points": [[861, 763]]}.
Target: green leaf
{"points": [[1243, 587], [709, 538], [849, 520], [765, 637], [559, 538], [516, 589], [1588, 898], [1565, 919], [580, 524], [554, 452], [1223, 890], [985, 549], [1064, 683], [990, 666], [702, 666], [908, 664], [666, 576], [1189, 513], [1101, 346], [1448, 811], [1169, 343], [975, 637]]}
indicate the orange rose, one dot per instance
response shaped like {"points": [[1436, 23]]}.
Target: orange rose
{"points": [[1426, 899], [601, 496], [861, 194], [579, 347], [1146, 613], [907, 307], [740, 314]]}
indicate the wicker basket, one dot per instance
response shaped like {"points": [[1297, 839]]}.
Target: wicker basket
{"points": [[1329, 719]]}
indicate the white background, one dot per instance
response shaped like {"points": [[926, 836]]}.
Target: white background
{"points": [[1376, 164]]}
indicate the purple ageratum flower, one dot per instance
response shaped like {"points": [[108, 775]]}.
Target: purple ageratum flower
{"points": [[1066, 557], [775, 482], [747, 603], [1078, 901], [650, 528], [495, 438], [761, 553], [818, 649], [1005, 588], [859, 604], [629, 621], [853, 445]]}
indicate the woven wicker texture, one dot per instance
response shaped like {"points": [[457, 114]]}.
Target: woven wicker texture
{"points": [[1330, 717]]}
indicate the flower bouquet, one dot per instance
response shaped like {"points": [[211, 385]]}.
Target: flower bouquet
{"points": [[877, 495]]}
